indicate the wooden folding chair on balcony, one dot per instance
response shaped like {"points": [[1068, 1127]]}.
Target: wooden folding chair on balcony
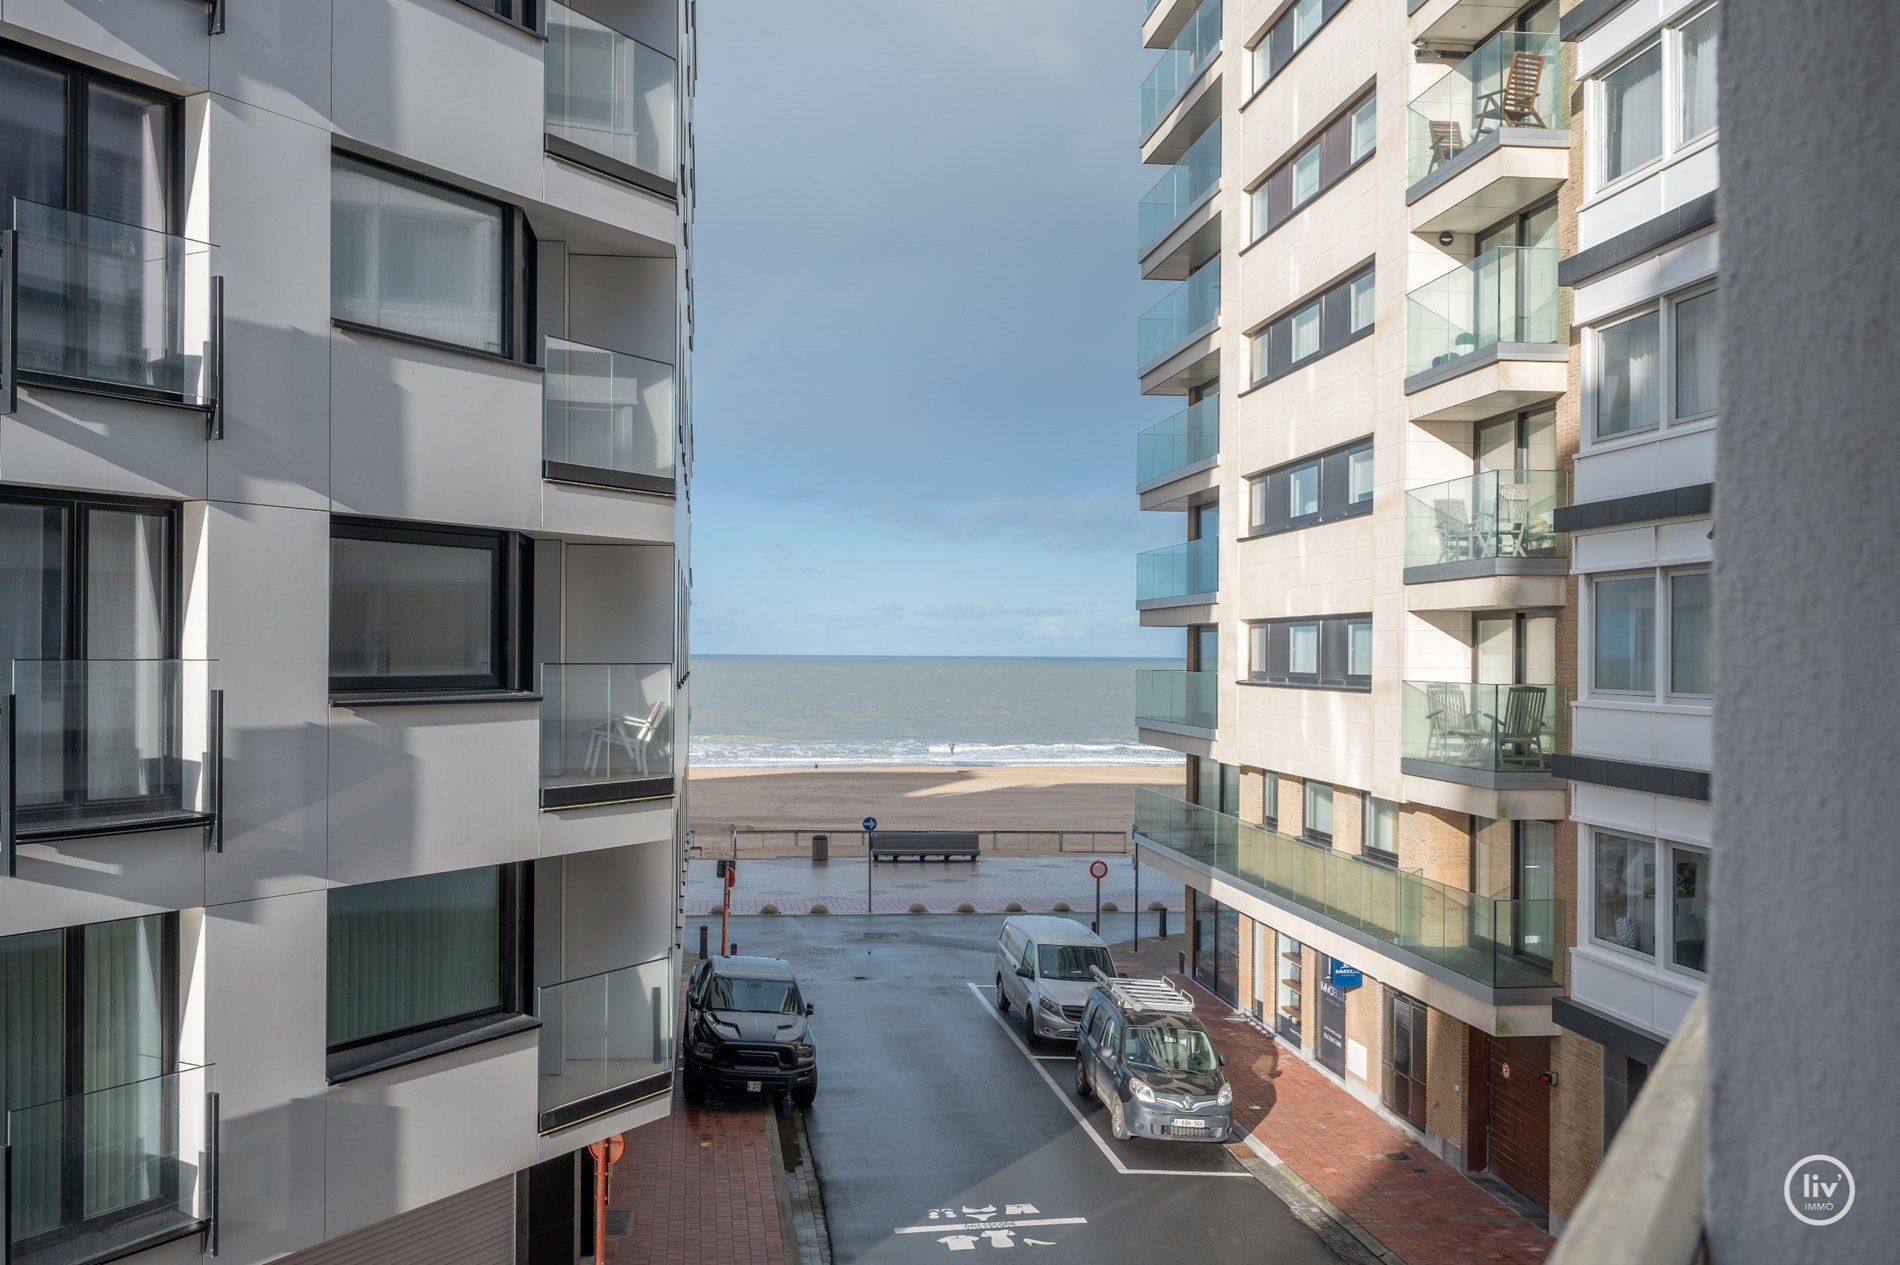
{"points": [[1450, 730], [1514, 103], [1456, 535], [1447, 140], [1521, 728]]}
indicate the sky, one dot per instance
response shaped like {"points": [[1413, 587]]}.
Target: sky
{"points": [[916, 292]]}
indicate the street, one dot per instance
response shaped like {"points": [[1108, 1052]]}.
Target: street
{"points": [[937, 1132]]}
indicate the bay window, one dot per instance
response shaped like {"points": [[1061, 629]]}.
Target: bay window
{"points": [[1657, 368], [1631, 916], [1656, 617]]}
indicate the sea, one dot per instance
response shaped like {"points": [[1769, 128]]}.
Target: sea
{"points": [[766, 711]]}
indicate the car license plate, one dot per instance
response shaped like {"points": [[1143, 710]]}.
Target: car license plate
{"points": [[753, 1087], [1185, 1122]]}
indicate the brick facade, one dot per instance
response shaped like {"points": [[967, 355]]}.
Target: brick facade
{"points": [[1253, 796], [1576, 1119], [1437, 842], [1447, 1085]]}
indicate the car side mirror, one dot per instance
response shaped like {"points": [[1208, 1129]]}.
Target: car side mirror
{"points": [[1222, 1059], [1025, 972], [810, 1009]]}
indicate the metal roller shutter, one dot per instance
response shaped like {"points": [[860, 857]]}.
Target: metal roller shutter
{"points": [[476, 1227]]}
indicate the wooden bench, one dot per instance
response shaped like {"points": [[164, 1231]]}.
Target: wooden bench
{"points": [[946, 845]]}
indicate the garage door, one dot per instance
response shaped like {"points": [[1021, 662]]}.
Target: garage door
{"points": [[1520, 1115], [476, 1227]]}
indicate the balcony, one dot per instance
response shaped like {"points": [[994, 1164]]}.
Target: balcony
{"points": [[607, 419], [606, 733], [1187, 574], [102, 1175], [1184, 444], [612, 103], [606, 1042], [1175, 336], [110, 309], [1193, 49], [1178, 221], [1473, 942], [1488, 139], [1498, 523], [1175, 700], [111, 746], [1483, 339], [1494, 736]]}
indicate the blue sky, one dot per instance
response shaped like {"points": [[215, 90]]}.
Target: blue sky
{"points": [[914, 399]]}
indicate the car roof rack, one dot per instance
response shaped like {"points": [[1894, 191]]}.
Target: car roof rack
{"points": [[1144, 994]]}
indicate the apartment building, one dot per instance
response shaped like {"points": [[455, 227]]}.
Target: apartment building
{"points": [[344, 473], [1363, 207]]}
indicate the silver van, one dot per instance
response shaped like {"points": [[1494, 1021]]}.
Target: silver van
{"points": [[1043, 969]]}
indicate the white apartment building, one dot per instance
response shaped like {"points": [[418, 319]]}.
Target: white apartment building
{"points": [[344, 470]]}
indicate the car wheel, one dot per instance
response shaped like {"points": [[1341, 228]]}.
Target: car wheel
{"points": [[803, 1094], [1081, 1076], [1118, 1120], [1002, 998], [1029, 1026]]}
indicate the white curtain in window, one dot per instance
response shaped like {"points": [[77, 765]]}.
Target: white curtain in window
{"points": [[1627, 389], [1698, 355], [32, 1051], [1689, 611], [1632, 109], [412, 952], [1625, 893], [1699, 97], [127, 1106]]}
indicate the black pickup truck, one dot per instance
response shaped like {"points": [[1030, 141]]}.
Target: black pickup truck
{"points": [[748, 1029]]}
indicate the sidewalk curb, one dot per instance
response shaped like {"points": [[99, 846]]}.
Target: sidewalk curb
{"points": [[1319, 1213], [804, 1234], [781, 1193]]}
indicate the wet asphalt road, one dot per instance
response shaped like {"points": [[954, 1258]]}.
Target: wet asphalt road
{"points": [[937, 1137]]}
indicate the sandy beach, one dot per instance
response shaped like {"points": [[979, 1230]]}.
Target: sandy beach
{"points": [[1019, 798]]}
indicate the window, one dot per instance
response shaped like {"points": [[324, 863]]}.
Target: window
{"points": [[1624, 893], [1317, 327], [82, 141], [1689, 909], [1321, 489], [414, 956], [1624, 634], [520, 12], [412, 257], [1319, 812], [1286, 995], [1689, 611], [1381, 829], [1341, 145], [1660, 100], [1628, 641], [1271, 798], [1659, 367], [1334, 652], [426, 608], [1298, 24]]}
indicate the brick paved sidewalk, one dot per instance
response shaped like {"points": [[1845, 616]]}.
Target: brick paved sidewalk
{"points": [[699, 1186], [1420, 1208]]}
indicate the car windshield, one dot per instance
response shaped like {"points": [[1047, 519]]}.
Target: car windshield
{"points": [[1072, 961], [761, 996], [1170, 1049]]}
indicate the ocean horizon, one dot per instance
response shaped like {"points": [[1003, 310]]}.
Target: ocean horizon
{"points": [[793, 711]]}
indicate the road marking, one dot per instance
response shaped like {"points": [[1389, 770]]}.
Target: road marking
{"points": [[1108, 1153], [1013, 1224]]}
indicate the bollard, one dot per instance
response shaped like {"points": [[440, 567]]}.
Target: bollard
{"points": [[821, 849], [1164, 924], [1181, 954], [703, 929], [733, 952]]}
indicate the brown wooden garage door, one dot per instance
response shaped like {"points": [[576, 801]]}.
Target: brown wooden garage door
{"points": [[1520, 1115]]}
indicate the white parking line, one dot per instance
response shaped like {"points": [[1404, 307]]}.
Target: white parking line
{"points": [[1101, 1144]]}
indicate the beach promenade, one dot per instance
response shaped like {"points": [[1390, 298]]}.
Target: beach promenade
{"points": [[987, 886]]}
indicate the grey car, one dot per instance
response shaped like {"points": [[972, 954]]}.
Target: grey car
{"points": [[1144, 1054]]}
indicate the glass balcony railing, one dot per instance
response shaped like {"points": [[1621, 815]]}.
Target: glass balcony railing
{"points": [[1170, 696], [608, 417], [1181, 62], [1491, 942], [1180, 188], [606, 732], [1178, 570], [1499, 514], [611, 94], [1189, 436], [115, 308], [105, 746], [1512, 79], [101, 1174], [606, 1042], [1486, 728], [1189, 308], [1506, 295]]}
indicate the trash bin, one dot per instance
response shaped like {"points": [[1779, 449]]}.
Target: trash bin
{"points": [[820, 849]]}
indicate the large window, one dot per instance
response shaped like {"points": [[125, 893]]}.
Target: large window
{"points": [[1659, 100], [1334, 652], [1319, 489], [1381, 830], [1319, 812], [1341, 145], [1317, 327], [1629, 641], [412, 257], [1624, 894], [1689, 908], [1630, 915], [81, 141], [412, 957], [1299, 23], [1658, 367], [425, 608]]}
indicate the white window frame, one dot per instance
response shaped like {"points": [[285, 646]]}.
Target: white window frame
{"points": [[1660, 691], [1675, 146], [1666, 908], [1662, 962], [1666, 421]]}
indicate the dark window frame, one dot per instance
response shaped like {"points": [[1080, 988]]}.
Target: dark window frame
{"points": [[1331, 508], [527, 15], [520, 322], [383, 1050], [1335, 327], [1329, 9], [1332, 671], [511, 598], [1307, 832], [1334, 138]]}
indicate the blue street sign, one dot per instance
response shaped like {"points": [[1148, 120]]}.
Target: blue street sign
{"points": [[1346, 978], [870, 825]]}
